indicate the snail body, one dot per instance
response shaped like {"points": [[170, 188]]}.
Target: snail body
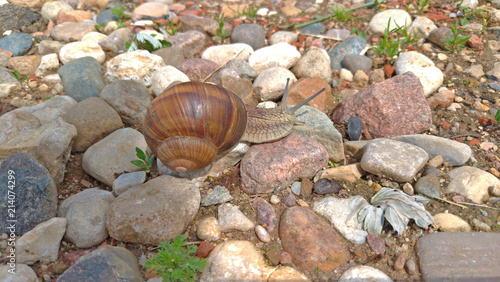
{"points": [[191, 123]]}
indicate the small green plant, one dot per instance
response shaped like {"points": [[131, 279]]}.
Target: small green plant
{"points": [[174, 262], [358, 32], [332, 164], [421, 6], [455, 44], [19, 77], [341, 14], [146, 42], [119, 11], [172, 29], [221, 34], [145, 160], [408, 37], [497, 116], [468, 14], [249, 12], [389, 44]]}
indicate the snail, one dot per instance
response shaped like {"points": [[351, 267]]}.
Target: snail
{"points": [[189, 124]]}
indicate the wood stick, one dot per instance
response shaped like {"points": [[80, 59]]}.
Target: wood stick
{"points": [[446, 201]]}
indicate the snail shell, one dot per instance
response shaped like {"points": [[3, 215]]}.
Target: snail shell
{"points": [[189, 124]]}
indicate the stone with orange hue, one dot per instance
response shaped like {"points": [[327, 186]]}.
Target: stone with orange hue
{"points": [[73, 16], [305, 88], [310, 240], [394, 107], [350, 173], [475, 42], [443, 98], [270, 165], [150, 10], [25, 64]]}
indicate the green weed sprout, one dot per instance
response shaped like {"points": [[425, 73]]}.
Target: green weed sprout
{"points": [[175, 262], [388, 45], [119, 11], [497, 116], [221, 34], [455, 44], [145, 160], [249, 12], [341, 14], [421, 4]]}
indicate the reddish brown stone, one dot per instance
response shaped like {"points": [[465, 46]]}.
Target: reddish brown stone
{"points": [[285, 258], [445, 125], [399, 264], [71, 257], [475, 42], [388, 70], [199, 69], [265, 214], [376, 243], [25, 64], [270, 165], [394, 107], [73, 16], [310, 240], [204, 249], [305, 88], [443, 99]]}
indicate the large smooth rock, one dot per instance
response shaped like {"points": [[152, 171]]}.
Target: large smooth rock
{"points": [[396, 17], [49, 144], [460, 256], [310, 240], [94, 119], [314, 63], [236, 261], [51, 109], [430, 76], [82, 78], [138, 66], [22, 273], [473, 183], [397, 160], [394, 107], [113, 264], [129, 98], [86, 215], [42, 242], [112, 155], [35, 193], [270, 165], [343, 214], [454, 153], [156, 211], [315, 124], [278, 55]]}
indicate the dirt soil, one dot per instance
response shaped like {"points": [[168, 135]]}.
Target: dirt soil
{"points": [[472, 127]]}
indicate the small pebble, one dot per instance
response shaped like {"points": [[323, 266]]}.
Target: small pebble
{"points": [[262, 234], [274, 200], [285, 258], [399, 264], [326, 186], [289, 200], [411, 266], [296, 188], [408, 189], [481, 225]]}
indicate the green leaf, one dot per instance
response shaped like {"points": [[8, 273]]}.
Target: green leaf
{"points": [[139, 164], [140, 153], [150, 161], [497, 116], [464, 21]]}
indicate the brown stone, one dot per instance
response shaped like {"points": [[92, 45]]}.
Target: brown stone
{"points": [[270, 165], [439, 35], [204, 249], [25, 64], [306, 187], [475, 42], [71, 31], [443, 98], [394, 107], [376, 243], [305, 88], [241, 87], [310, 240], [192, 42], [172, 56], [198, 69], [73, 16], [400, 261]]}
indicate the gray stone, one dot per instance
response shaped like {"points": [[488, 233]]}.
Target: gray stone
{"points": [[343, 214], [351, 45], [172, 56], [17, 43], [94, 119], [314, 63], [327, 186], [82, 78], [22, 273], [355, 62], [251, 34], [314, 29], [283, 36], [127, 180], [42, 242], [459, 256], [232, 219], [243, 69], [115, 42], [46, 47], [191, 42], [35, 193], [289, 200], [129, 98], [8, 83], [428, 186], [218, 195], [14, 17], [156, 211], [86, 215], [112, 155], [473, 183], [454, 153], [51, 109], [71, 31], [49, 144], [113, 264], [397, 160], [315, 124], [106, 16]]}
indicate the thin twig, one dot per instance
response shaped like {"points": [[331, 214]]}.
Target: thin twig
{"points": [[446, 201], [466, 135], [481, 206], [223, 65]]}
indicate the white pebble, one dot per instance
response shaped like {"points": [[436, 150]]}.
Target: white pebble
{"points": [[274, 199], [262, 234]]}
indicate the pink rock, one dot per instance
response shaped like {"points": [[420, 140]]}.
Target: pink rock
{"points": [[443, 98], [285, 258], [310, 240], [198, 69], [270, 165], [73, 16], [265, 214], [150, 10], [376, 243], [394, 107], [71, 31], [192, 42], [475, 42]]}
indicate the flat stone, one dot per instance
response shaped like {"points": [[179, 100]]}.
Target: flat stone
{"points": [[428, 186], [192, 42], [218, 195], [223, 53], [397, 160], [50, 110], [127, 180], [22, 273], [279, 55], [232, 219], [350, 173], [464, 256], [82, 78], [473, 183], [16, 43], [307, 87], [71, 31], [451, 223]]}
